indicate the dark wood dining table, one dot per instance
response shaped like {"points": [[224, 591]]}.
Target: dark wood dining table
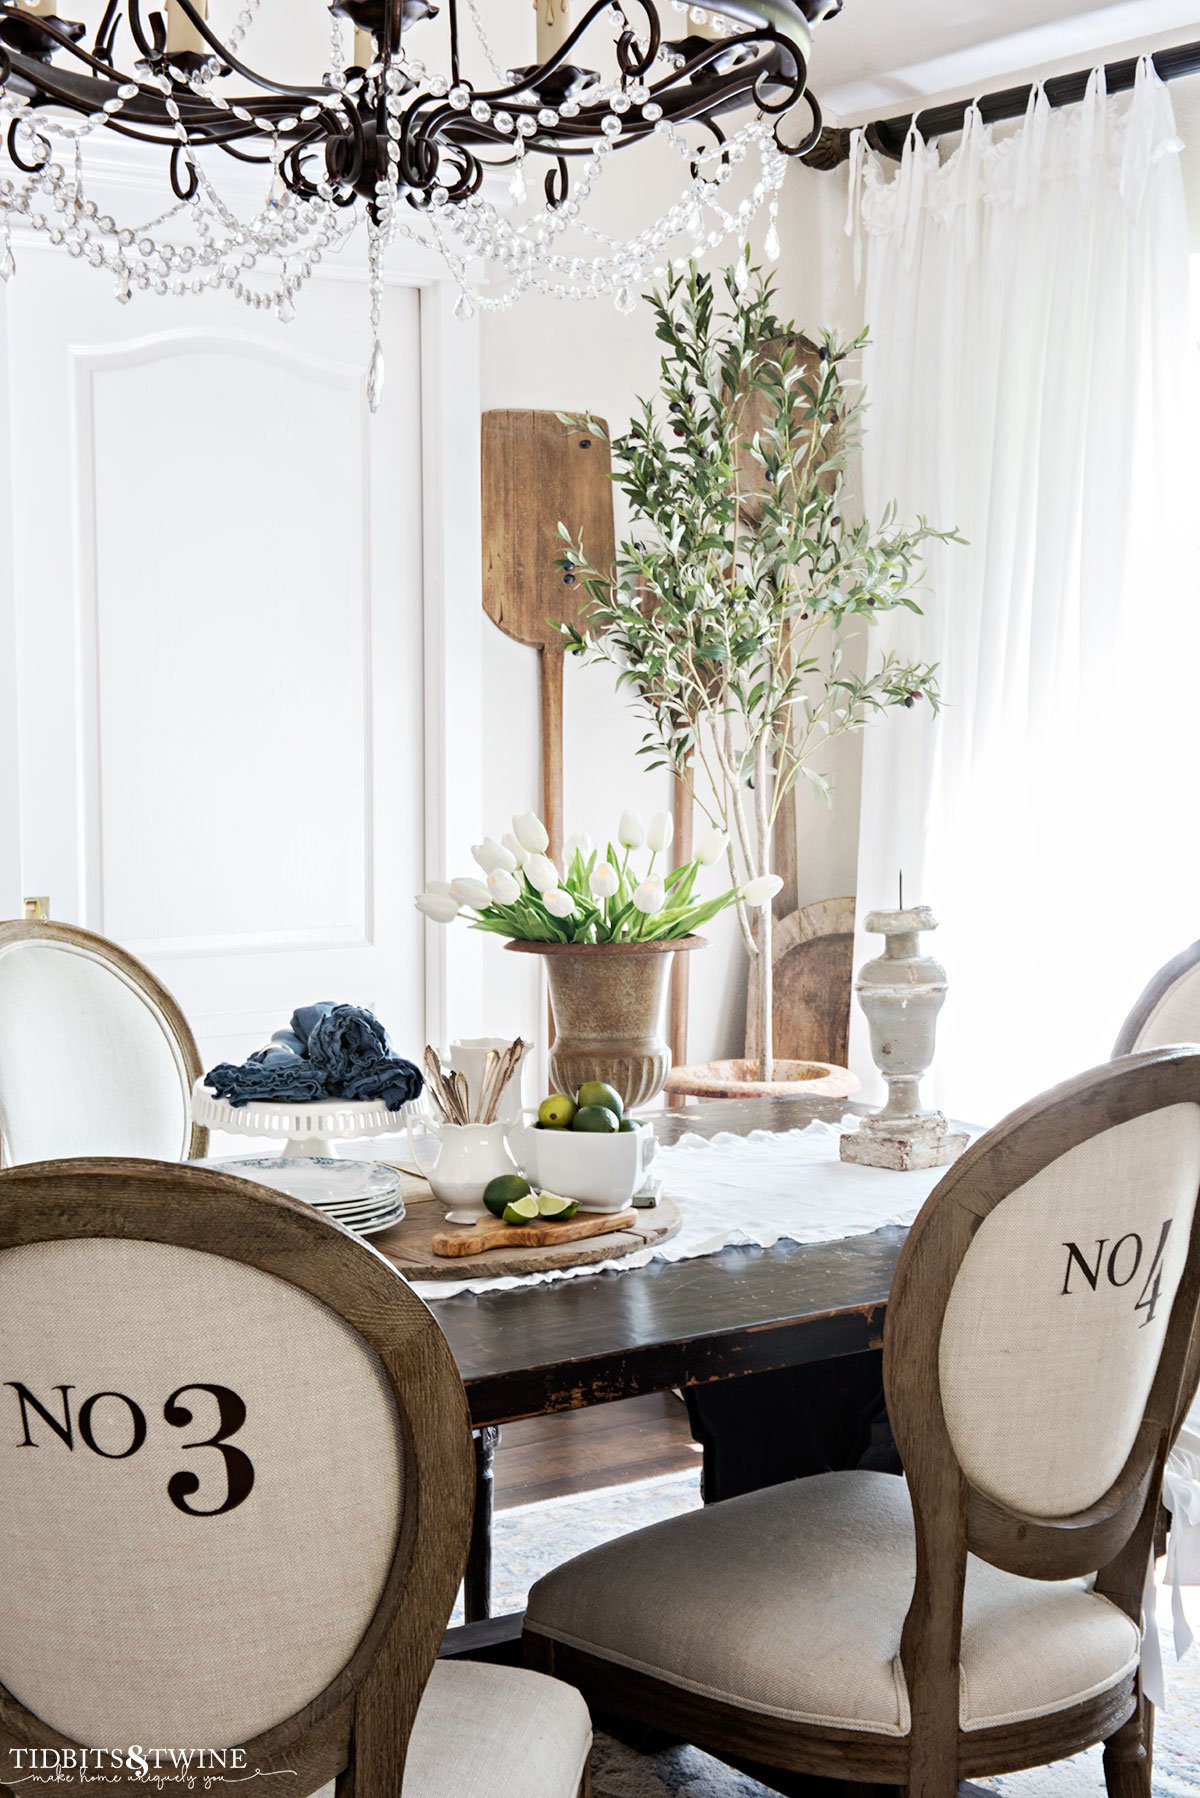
{"points": [[687, 1325]]}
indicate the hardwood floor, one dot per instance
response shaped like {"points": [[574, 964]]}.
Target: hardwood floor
{"points": [[580, 1451]]}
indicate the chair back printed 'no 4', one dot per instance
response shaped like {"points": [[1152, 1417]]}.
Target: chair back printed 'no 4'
{"points": [[1039, 1350], [235, 1477]]}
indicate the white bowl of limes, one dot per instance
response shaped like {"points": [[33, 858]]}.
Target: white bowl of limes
{"points": [[583, 1146]]}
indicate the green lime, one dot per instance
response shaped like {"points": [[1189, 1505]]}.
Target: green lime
{"points": [[598, 1119], [596, 1092], [556, 1112], [551, 1205], [504, 1190], [521, 1211], [626, 1124]]}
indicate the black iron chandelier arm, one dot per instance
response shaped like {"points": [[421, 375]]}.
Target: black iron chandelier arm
{"points": [[158, 53]]}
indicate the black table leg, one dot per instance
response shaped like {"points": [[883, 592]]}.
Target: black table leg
{"points": [[477, 1586], [765, 1428]]}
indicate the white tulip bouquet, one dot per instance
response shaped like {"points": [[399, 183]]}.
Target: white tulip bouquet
{"points": [[594, 898]]}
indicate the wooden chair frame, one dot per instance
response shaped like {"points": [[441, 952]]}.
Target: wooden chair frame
{"points": [[1153, 995], [136, 975], [952, 1517], [357, 1730]]}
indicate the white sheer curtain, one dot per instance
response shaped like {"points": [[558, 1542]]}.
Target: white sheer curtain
{"points": [[1029, 381]]}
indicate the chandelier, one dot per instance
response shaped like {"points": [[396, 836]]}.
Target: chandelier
{"points": [[419, 128]]}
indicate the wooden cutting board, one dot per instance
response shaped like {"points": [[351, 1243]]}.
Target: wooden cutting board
{"points": [[409, 1244], [477, 1239]]}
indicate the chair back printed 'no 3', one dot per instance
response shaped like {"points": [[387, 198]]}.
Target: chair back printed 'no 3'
{"points": [[1039, 1350], [235, 1478]]}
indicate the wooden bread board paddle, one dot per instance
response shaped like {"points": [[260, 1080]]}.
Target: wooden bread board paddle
{"points": [[409, 1245], [477, 1239], [536, 475]]}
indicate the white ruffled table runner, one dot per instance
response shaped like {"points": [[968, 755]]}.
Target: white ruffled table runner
{"points": [[754, 1189]]}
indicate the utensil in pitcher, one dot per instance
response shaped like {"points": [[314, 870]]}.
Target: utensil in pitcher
{"points": [[472, 1057]]}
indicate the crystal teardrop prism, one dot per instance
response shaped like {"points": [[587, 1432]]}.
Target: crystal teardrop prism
{"points": [[8, 266], [376, 375], [625, 300], [771, 242]]}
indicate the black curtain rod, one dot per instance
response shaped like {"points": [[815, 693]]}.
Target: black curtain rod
{"points": [[888, 135]]}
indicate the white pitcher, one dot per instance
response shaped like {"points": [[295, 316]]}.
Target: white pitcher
{"points": [[458, 1160]]}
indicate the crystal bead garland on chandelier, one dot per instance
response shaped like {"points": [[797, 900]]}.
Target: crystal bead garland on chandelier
{"points": [[443, 155]]}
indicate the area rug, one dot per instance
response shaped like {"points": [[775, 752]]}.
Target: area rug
{"points": [[530, 1539]]}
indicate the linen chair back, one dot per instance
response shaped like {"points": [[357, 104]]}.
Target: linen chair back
{"points": [[235, 1477], [1169, 1009], [1037, 1349], [96, 1057]]}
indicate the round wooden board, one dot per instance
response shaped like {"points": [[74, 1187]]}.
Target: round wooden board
{"points": [[407, 1244]]}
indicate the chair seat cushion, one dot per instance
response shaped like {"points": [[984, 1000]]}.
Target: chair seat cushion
{"points": [[497, 1732], [790, 1602]]}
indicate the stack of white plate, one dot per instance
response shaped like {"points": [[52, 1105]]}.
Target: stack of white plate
{"points": [[362, 1195]]}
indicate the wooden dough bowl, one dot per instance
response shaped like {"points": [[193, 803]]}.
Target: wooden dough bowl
{"points": [[739, 1080]]}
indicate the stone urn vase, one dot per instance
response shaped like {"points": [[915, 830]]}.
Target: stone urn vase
{"points": [[608, 1001], [902, 991]]}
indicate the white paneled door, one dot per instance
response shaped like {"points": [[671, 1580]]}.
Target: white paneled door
{"points": [[219, 567]]}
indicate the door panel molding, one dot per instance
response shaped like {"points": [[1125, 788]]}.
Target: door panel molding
{"points": [[444, 639]]}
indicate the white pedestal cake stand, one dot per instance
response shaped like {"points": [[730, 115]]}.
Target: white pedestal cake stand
{"points": [[309, 1129]]}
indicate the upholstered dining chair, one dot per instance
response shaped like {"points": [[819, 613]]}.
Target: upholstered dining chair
{"points": [[235, 1497], [1169, 1009], [922, 1630], [96, 1057]]}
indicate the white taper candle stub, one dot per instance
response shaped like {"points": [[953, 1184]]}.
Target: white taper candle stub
{"points": [[364, 49], [182, 35], [38, 9]]}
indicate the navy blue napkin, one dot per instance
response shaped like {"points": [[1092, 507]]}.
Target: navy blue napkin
{"points": [[352, 1049], [277, 1072], [328, 1052]]}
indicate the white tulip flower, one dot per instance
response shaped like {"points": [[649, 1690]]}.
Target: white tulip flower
{"points": [[661, 832], [711, 848], [438, 886], [559, 903], [471, 892], [503, 886], [541, 873], [631, 832], [760, 892], [578, 840], [489, 854], [438, 906], [605, 880], [650, 896], [517, 850], [530, 832]]}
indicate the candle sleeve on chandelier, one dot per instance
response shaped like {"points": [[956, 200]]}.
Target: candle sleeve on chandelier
{"points": [[364, 49], [182, 35], [38, 9], [700, 22], [556, 20]]}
